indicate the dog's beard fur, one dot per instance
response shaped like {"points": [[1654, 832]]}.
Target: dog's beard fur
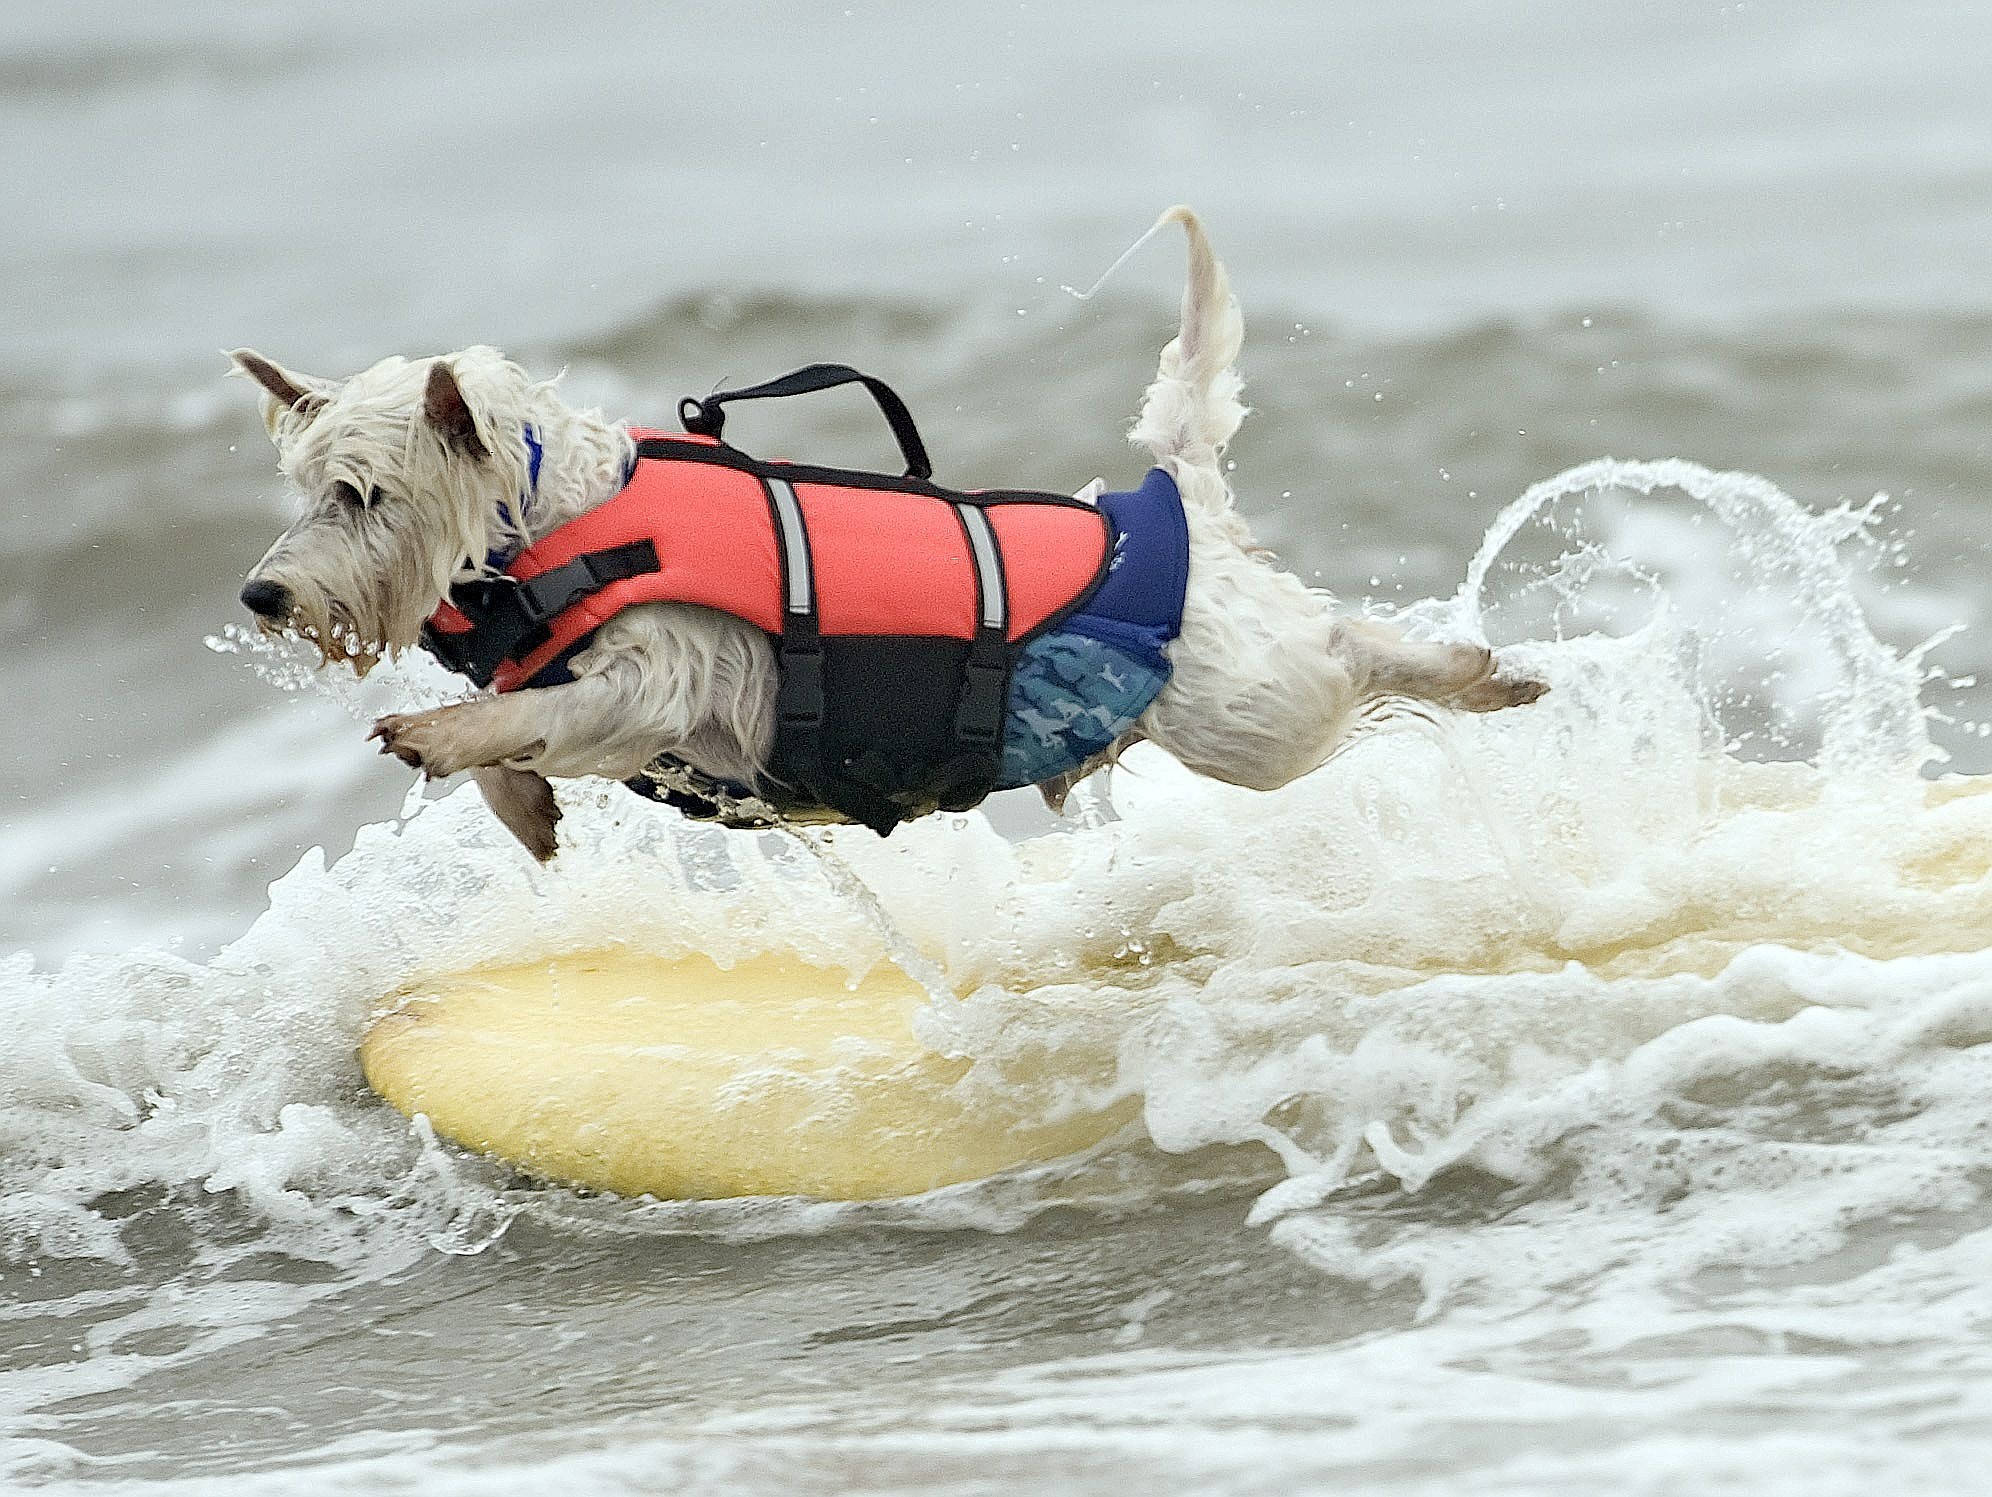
{"points": [[361, 583]]}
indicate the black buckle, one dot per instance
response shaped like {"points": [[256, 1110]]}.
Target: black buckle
{"points": [[800, 697], [456, 653], [984, 703], [482, 598], [539, 599]]}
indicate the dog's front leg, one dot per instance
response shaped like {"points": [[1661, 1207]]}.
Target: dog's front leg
{"points": [[465, 735], [489, 735], [562, 730], [523, 801]]}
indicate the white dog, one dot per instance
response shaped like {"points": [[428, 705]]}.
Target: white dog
{"points": [[417, 476]]}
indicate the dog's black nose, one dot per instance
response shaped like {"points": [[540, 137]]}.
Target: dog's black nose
{"points": [[266, 599]]}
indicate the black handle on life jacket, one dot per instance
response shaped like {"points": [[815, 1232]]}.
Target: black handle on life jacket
{"points": [[706, 418]]}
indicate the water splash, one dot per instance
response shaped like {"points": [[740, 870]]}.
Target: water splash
{"points": [[1871, 714], [410, 681], [847, 882]]}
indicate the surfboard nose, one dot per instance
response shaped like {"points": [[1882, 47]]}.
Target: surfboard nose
{"points": [[680, 1079]]}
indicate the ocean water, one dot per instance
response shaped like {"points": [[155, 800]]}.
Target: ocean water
{"points": [[1597, 1095]]}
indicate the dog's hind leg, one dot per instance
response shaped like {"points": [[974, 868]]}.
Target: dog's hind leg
{"points": [[524, 802], [1463, 676], [1283, 716]]}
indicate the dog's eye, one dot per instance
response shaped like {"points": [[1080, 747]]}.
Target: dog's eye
{"points": [[351, 498]]}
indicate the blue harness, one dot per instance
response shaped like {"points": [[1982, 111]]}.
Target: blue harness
{"points": [[1077, 688]]}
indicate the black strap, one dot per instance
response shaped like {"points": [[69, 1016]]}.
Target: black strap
{"points": [[510, 617], [985, 696], [701, 797], [707, 418]]}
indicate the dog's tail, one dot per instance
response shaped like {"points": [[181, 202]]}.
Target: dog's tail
{"points": [[1192, 409]]}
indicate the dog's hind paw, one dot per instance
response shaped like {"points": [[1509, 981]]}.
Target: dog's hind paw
{"points": [[1497, 690]]}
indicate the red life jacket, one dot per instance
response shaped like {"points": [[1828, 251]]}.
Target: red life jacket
{"points": [[896, 606]]}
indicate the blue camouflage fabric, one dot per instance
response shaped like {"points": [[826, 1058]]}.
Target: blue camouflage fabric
{"points": [[1079, 686]]}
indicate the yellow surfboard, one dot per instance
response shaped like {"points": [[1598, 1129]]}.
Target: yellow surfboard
{"points": [[677, 1078]]}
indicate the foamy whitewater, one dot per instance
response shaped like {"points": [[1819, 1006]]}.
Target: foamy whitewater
{"points": [[1584, 1100]]}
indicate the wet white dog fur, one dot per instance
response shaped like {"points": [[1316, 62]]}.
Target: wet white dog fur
{"points": [[412, 472]]}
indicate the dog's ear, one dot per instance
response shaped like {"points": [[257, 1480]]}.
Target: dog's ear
{"points": [[286, 391], [449, 412], [280, 384]]}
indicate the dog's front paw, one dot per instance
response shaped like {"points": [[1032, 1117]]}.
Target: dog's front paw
{"points": [[421, 740]]}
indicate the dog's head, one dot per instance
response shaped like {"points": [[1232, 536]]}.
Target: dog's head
{"points": [[410, 475]]}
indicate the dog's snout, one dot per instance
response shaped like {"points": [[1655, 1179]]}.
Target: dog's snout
{"points": [[266, 599]]}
